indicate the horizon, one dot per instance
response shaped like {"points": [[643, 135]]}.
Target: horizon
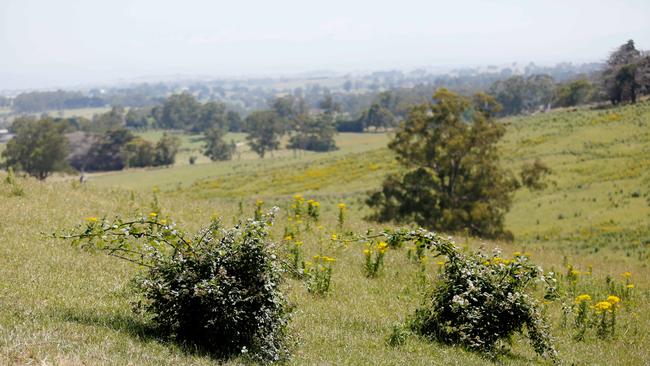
{"points": [[72, 43]]}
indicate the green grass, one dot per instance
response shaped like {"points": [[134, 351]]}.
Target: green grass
{"points": [[80, 112], [601, 171], [62, 306], [245, 162]]}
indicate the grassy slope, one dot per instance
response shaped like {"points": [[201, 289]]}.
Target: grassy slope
{"points": [[601, 163], [245, 163], [62, 306]]}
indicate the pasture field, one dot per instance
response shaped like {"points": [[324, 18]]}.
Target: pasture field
{"points": [[80, 112], [62, 306], [63, 113], [244, 162]]}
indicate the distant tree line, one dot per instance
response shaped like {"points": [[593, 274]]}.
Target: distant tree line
{"points": [[45, 145], [624, 78], [309, 117], [55, 100], [289, 115]]}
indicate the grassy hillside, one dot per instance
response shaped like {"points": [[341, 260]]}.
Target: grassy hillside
{"points": [[61, 306], [245, 162], [601, 163]]}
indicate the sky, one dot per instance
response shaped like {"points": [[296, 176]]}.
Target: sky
{"points": [[58, 43]]}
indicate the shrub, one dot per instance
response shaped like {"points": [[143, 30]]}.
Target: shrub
{"points": [[478, 301], [166, 149], [219, 290], [138, 153]]}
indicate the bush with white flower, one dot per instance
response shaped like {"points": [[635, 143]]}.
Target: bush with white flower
{"points": [[479, 300], [218, 289]]}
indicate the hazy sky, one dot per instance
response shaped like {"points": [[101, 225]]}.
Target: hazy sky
{"points": [[46, 43]]}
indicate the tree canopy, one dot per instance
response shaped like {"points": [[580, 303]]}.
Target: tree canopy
{"points": [[314, 133], [264, 131], [627, 74], [453, 180], [216, 148], [179, 111], [38, 148]]}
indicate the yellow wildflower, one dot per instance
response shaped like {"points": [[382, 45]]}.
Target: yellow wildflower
{"points": [[316, 257], [259, 202], [315, 204], [574, 272], [583, 297], [631, 285], [516, 254], [366, 251], [334, 236], [341, 206], [298, 243], [603, 306], [288, 238], [298, 197], [152, 214], [382, 247], [91, 219], [613, 299], [329, 259], [626, 274], [441, 263], [163, 221], [320, 227]]}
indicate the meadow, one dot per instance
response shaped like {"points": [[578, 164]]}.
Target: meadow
{"points": [[63, 306]]}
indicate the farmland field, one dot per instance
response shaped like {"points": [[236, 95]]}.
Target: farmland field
{"points": [[63, 306]]}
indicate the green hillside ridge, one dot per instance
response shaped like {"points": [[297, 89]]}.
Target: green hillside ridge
{"points": [[62, 306], [600, 161]]}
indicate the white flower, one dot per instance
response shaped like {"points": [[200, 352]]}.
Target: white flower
{"points": [[458, 300]]}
